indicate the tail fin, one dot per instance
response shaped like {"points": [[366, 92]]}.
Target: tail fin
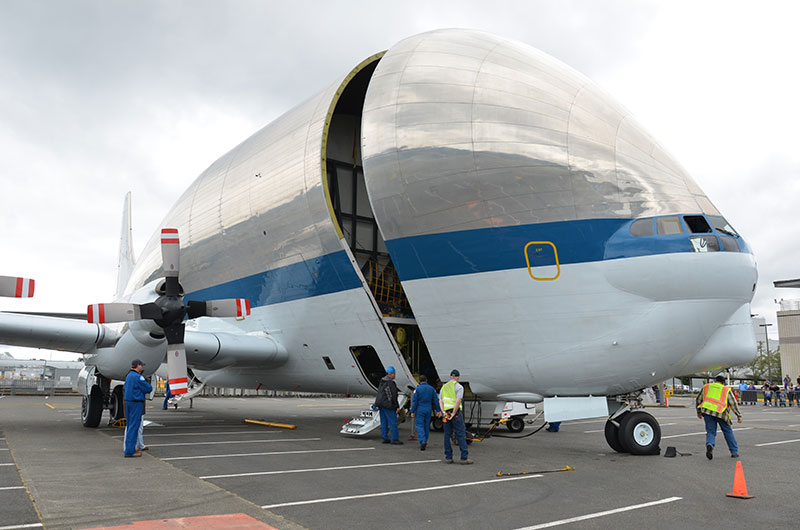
{"points": [[126, 259]]}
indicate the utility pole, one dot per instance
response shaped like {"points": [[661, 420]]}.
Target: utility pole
{"points": [[769, 361]]}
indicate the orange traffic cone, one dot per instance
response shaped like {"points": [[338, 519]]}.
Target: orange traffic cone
{"points": [[739, 485]]}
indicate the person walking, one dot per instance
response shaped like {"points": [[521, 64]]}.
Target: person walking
{"points": [[423, 403], [167, 396], [136, 386], [714, 406], [553, 426], [386, 401], [451, 400]]}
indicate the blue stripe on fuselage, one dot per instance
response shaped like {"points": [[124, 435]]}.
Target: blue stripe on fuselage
{"points": [[326, 274], [455, 253]]}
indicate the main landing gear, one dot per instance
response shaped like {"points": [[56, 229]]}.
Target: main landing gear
{"points": [[98, 396], [633, 431]]}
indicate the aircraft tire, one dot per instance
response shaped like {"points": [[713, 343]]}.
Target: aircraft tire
{"points": [[436, 424], [640, 434], [612, 435], [515, 424], [92, 407], [117, 404]]}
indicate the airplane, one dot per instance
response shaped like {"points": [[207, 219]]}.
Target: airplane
{"points": [[459, 200]]}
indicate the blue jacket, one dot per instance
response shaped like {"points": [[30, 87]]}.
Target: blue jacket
{"points": [[425, 399], [136, 386]]}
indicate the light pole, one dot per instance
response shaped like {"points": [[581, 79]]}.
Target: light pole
{"points": [[769, 362]]}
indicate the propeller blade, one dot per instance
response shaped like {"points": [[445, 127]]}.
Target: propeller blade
{"points": [[170, 251], [176, 367], [103, 313], [232, 307], [16, 287]]}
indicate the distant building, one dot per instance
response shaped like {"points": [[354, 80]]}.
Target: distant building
{"points": [[789, 333], [62, 373]]}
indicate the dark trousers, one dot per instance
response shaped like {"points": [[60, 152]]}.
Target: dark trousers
{"points": [[133, 419], [457, 425], [389, 423]]}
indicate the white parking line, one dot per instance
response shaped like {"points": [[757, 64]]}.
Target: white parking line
{"points": [[240, 442], [11, 464], [12, 488], [337, 468], [271, 453], [16, 526], [397, 492], [206, 433], [696, 433], [600, 514], [4, 449], [778, 443]]}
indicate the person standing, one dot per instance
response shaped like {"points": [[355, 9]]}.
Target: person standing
{"points": [[451, 400], [714, 406], [136, 386], [423, 403], [386, 401]]}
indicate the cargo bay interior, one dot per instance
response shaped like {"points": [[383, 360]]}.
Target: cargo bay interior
{"points": [[350, 205]]}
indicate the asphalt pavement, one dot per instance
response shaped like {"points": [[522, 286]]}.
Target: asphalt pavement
{"points": [[205, 460]]}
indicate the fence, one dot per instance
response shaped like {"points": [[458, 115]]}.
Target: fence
{"points": [[14, 387]]}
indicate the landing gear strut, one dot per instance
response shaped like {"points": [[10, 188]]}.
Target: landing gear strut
{"points": [[633, 431]]}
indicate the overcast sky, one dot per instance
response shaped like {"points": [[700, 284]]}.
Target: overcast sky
{"points": [[101, 97]]}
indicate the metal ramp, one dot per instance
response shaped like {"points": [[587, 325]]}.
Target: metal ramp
{"points": [[367, 421]]}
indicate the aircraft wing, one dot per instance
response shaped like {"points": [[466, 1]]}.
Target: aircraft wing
{"points": [[52, 333]]}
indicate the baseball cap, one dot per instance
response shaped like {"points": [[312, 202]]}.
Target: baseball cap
{"points": [[390, 369], [136, 362], [455, 373]]}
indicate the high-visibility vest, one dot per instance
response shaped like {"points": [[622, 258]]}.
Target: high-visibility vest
{"points": [[449, 396], [715, 397]]}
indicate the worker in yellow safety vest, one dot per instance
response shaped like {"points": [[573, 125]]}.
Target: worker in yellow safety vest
{"points": [[451, 399], [714, 406]]}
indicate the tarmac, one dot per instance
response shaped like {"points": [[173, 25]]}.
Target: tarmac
{"points": [[205, 461]]}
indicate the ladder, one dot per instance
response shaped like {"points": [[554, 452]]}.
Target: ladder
{"points": [[367, 421]]}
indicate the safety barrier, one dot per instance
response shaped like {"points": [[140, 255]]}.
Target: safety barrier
{"points": [[12, 387], [782, 399]]}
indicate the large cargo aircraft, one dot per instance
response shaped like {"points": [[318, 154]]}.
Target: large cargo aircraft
{"points": [[458, 201]]}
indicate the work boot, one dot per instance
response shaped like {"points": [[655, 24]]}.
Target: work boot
{"points": [[709, 452], [448, 460], [386, 442], [396, 442], [736, 455], [467, 461], [423, 445]]}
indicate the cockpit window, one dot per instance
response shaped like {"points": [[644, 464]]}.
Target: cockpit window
{"points": [[704, 244], [722, 225], [669, 225], [697, 224], [729, 244], [642, 227]]}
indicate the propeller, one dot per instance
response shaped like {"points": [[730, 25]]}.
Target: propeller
{"points": [[16, 287], [169, 311]]}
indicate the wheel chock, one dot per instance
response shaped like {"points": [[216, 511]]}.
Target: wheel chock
{"points": [[271, 424]]}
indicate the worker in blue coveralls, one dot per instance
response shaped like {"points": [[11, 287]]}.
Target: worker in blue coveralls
{"points": [[386, 402], [167, 396], [136, 386], [423, 403]]}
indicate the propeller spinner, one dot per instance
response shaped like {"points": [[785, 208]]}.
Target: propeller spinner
{"points": [[169, 311], [16, 287]]}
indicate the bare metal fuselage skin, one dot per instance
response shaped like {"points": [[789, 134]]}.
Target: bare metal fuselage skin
{"points": [[505, 185]]}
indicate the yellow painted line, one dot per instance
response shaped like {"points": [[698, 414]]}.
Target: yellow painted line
{"points": [[51, 406]]}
